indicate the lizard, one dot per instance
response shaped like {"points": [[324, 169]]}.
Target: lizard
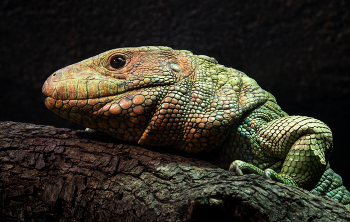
{"points": [[165, 97]]}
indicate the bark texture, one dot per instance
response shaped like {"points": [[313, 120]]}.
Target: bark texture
{"points": [[56, 174]]}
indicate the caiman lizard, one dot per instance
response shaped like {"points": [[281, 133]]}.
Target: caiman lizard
{"points": [[160, 96]]}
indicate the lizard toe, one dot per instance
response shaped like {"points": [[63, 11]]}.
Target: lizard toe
{"points": [[282, 178]]}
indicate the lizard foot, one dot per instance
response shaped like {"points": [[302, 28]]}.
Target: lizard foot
{"points": [[241, 168]]}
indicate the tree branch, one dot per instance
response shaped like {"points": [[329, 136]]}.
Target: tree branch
{"points": [[56, 174]]}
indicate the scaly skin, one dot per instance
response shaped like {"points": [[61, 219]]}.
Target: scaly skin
{"points": [[161, 96]]}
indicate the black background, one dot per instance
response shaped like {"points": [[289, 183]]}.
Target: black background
{"points": [[297, 50]]}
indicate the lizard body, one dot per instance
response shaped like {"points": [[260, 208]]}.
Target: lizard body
{"points": [[161, 96]]}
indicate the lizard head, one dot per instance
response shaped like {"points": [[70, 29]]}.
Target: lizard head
{"points": [[118, 91], [155, 96]]}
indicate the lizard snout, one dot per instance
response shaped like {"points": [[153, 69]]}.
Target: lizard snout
{"points": [[50, 84]]}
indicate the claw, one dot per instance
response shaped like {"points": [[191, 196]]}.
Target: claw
{"points": [[235, 168], [267, 174], [232, 167], [239, 171]]}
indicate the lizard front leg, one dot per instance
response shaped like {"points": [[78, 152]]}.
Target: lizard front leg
{"points": [[303, 142]]}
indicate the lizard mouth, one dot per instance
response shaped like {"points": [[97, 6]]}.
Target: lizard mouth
{"points": [[84, 111], [91, 85], [83, 104]]}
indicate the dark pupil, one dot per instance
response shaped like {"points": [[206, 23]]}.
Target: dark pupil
{"points": [[117, 62]]}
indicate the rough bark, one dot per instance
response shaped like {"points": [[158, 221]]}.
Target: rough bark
{"points": [[58, 174]]}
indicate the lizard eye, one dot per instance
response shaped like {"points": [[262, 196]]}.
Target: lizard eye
{"points": [[117, 61]]}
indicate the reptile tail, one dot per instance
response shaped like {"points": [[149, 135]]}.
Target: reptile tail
{"points": [[331, 185]]}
